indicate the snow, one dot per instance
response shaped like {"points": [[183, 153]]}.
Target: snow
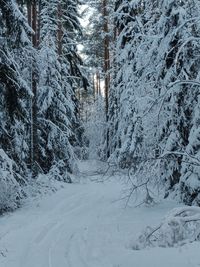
{"points": [[85, 225], [9, 188]]}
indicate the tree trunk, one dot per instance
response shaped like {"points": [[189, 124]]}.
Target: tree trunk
{"points": [[34, 134], [106, 55], [29, 13], [106, 67], [34, 23], [94, 88], [99, 80], [39, 21], [97, 83], [60, 31]]}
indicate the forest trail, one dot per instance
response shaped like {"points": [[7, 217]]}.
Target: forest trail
{"points": [[84, 225]]}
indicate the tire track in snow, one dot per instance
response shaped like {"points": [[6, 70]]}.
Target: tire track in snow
{"points": [[53, 231], [75, 252], [46, 229]]}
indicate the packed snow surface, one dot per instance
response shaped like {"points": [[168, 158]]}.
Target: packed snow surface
{"points": [[85, 225]]}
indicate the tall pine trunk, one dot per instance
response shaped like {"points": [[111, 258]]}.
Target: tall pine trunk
{"points": [[106, 66], [60, 31], [34, 111], [106, 54]]}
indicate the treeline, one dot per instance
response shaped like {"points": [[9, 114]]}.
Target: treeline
{"points": [[154, 103], [40, 71]]}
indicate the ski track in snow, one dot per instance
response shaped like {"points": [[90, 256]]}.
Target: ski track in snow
{"points": [[83, 226]]}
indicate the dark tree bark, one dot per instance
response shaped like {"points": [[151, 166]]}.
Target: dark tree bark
{"points": [[106, 55], [106, 66], [60, 31], [34, 111]]}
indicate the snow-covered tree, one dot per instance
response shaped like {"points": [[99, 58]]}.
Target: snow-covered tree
{"points": [[154, 94], [15, 93], [60, 76], [14, 103], [179, 29]]}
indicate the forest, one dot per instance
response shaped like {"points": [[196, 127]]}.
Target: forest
{"points": [[102, 91]]}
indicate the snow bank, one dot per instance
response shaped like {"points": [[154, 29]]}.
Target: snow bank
{"points": [[13, 192], [180, 226], [10, 192]]}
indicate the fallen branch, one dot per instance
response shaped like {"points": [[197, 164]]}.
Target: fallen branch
{"points": [[179, 227]]}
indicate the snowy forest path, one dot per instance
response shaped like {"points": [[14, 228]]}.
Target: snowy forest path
{"points": [[82, 225]]}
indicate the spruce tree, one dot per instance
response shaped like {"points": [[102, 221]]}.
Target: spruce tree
{"points": [[15, 91], [60, 76]]}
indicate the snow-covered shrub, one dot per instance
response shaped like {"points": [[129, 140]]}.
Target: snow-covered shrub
{"points": [[179, 226], [81, 152], [153, 100], [59, 172], [10, 192], [95, 127]]}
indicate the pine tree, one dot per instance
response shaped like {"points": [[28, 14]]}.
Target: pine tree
{"points": [[180, 64], [93, 46], [15, 91], [154, 91], [14, 100], [60, 76]]}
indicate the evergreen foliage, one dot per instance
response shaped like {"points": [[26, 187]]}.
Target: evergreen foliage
{"points": [[56, 76], [15, 93], [147, 55], [154, 93]]}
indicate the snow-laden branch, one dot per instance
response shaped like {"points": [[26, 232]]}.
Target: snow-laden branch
{"points": [[180, 226], [190, 82], [183, 45]]}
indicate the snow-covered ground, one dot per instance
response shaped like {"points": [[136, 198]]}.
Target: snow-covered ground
{"points": [[84, 225]]}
